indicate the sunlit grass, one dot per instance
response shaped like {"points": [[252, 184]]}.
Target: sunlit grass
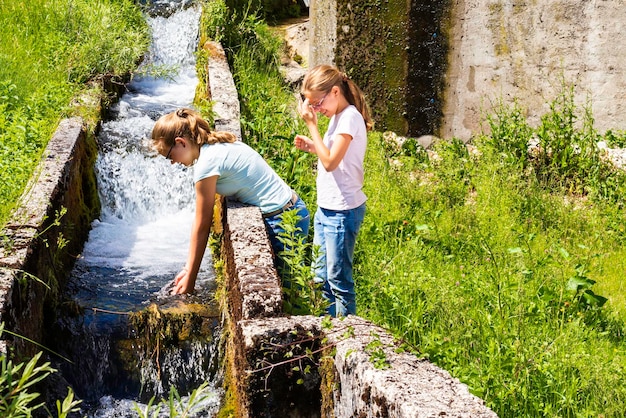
{"points": [[49, 50], [493, 263], [470, 261]]}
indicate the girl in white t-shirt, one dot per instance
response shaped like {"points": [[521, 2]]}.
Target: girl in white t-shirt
{"points": [[340, 198], [228, 167]]}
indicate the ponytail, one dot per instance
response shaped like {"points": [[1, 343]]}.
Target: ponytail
{"points": [[187, 123], [325, 77]]}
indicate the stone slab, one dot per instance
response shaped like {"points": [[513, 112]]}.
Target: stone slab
{"points": [[405, 386]]}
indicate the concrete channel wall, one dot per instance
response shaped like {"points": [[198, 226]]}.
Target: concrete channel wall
{"points": [[278, 366], [45, 235], [478, 54]]}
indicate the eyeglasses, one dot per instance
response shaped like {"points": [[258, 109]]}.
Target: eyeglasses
{"points": [[167, 156], [319, 104]]}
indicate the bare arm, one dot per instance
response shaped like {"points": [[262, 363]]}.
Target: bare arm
{"points": [[330, 158], [205, 200]]}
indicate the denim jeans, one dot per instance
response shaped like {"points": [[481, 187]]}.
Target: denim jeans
{"points": [[274, 228], [335, 232]]}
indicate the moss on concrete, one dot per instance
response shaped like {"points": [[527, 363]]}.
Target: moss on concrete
{"points": [[396, 51]]}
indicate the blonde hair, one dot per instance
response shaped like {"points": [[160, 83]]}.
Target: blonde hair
{"points": [[322, 78], [186, 123]]}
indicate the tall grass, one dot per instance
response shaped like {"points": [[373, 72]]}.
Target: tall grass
{"points": [[498, 264], [488, 266], [49, 50]]}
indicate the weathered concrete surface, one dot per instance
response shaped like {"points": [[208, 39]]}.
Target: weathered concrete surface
{"points": [[253, 283], [322, 32], [351, 384], [42, 243], [222, 90], [521, 50], [495, 50]]}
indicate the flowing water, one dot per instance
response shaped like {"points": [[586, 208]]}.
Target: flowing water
{"points": [[140, 241]]}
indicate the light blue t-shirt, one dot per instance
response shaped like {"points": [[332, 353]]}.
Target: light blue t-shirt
{"points": [[243, 175]]}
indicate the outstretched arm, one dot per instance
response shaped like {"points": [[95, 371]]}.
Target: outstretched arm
{"points": [[185, 280]]}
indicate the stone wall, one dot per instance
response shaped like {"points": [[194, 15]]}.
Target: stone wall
{"points": [[443, 64], [46, 233]]}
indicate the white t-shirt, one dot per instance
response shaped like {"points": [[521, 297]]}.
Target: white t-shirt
{"points": [[242, 174], [341, 189]]}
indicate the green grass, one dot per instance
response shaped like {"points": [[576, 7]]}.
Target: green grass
{"points": [[50, 52], [470, 264], [495, 263]]}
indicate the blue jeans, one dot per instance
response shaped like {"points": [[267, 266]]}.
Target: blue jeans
{"points": [[274, 228], [335, 233]]}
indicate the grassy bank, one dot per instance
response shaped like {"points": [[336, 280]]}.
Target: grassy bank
{"points": [[502, 266], [54, 56], [51, 51]]}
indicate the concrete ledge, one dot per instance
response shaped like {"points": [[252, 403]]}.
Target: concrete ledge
{"points": [[365, 377], [252, 281], [42, 243], [222, 90]]}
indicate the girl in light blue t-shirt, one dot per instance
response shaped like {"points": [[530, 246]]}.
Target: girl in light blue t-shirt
{"points": [[226, 166]]}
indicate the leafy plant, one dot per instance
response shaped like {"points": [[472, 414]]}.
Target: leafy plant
{"points": [[17, 380], [303, 294], [176, 406]]}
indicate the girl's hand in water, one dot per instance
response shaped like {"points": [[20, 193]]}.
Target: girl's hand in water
{"points": [[183, 283]]}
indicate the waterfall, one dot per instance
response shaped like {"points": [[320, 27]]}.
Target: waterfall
{"points": [[139, 242]]}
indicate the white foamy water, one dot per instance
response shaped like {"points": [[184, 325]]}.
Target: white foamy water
{"points": [[141, 239]]}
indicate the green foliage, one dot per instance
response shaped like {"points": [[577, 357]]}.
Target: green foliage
{"points": [[615, 138], [561, 153], [48, 50], [17, 381], [494, 276], [303, 295], [404, 152], [269, 10], [510, 134], [375, 349], [176, 406], [68, 406]]}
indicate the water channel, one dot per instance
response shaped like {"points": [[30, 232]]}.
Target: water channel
{"points": [[139, 242]]}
